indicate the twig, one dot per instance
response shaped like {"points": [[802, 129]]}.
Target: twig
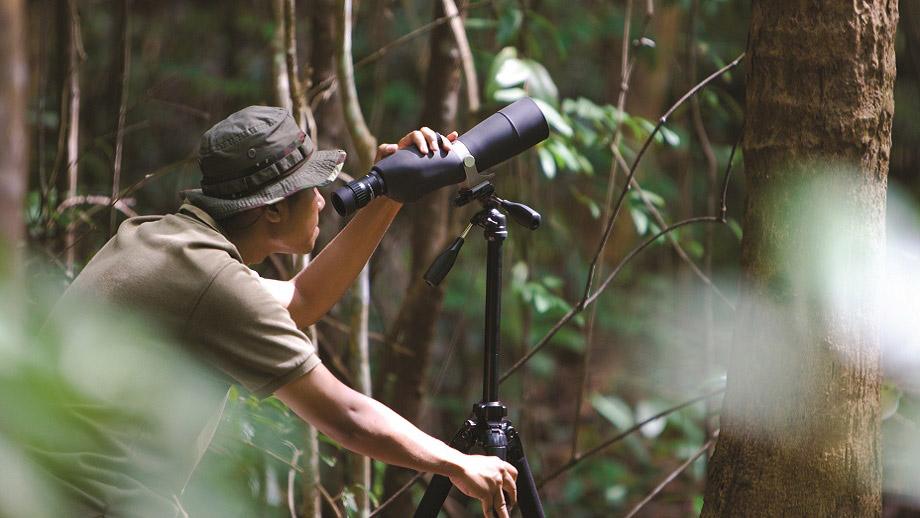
{"points": [[625, 73], [668, 479], [587, 297], [632, 170], [292, 474], [123, 205], [675, 244], [330, 501], [396, 495], [271, 454], [622, 435], [122, 109]]}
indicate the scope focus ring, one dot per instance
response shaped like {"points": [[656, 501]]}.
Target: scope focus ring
{"points": [[363, 193]]}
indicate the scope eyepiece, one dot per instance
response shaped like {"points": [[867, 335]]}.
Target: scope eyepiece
{"points": [[358, 193]]}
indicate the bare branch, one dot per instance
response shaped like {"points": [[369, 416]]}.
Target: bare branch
{"points": [[364, 141], [668, 479], [125, 15], [622, 435], [587, 297], [396, 495], [292, 475]]}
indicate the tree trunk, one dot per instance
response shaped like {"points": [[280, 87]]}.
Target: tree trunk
{"points": [[366, 145], [800, 421], [410, 340], [74, 56], [13, 136]]}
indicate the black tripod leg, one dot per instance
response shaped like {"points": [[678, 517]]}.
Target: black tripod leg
{"points": [[434, 497], [528, 499], [437, 491]]}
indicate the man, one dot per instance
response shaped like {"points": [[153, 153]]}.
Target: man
{"points": [[259, 196]]}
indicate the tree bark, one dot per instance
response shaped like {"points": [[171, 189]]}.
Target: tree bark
{"points": [[800, 421], [13, 136], [410, 339]]}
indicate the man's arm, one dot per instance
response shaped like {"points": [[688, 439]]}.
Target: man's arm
{"points": [[370, 428], [321, 284]]}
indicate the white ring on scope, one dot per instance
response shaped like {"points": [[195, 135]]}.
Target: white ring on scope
{"points": [[473, 177]]}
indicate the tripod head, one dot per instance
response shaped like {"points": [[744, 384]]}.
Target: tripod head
{"points": [[491, 218]]}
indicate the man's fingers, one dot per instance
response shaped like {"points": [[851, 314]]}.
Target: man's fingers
{"points": [[499, 505], [431, 137], [510, 489], [419, 140], [452, 136]]}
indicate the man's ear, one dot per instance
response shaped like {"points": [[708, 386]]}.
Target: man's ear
{"points": [[274, 213]]}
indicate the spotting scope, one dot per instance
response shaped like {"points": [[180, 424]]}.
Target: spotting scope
{"points": [[408, 174]]}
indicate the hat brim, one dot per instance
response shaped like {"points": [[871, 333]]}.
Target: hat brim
{"points": [[319, 170]]}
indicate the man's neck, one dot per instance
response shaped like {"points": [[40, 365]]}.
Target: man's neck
{"points": [[251, 248]]}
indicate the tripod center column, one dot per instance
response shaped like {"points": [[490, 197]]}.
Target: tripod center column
{"points": [[496, 231]]}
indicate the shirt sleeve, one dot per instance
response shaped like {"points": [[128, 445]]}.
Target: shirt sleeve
{"points": [[247, 334]]}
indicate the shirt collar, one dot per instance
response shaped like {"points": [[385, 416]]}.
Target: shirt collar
{"points": [[200, 215]]}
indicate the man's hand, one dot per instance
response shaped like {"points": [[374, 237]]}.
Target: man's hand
{"points": [[425, 139], [489, 480]]}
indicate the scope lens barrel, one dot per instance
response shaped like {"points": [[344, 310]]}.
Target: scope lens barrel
{"points": [[358, 193], [506, 133]]}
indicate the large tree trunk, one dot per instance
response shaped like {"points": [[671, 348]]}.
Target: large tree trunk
{"points": [[409, 341], [800, 421], [13, 136]]}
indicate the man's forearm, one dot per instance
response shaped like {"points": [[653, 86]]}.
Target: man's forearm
{"points": [[319, 286], [381, 433]]}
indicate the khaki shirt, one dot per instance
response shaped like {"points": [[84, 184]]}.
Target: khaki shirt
{"points": [[180, 270]]}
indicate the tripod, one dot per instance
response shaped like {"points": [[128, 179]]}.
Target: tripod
{"points": [[487, 427]]}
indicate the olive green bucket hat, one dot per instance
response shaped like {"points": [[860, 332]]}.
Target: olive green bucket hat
{"points": [[256, 157]]}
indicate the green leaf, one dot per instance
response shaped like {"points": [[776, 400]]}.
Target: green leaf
{"points": [[553, 118], [512, 72], [614, 410], [670, 136], [891, 399], [474, 24], [349, 502], [736, 228], [646, 409], [640, 220], [547, 162], [509, 95]]}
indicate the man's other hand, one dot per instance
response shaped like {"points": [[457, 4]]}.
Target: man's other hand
{"points": [[489, 480], [425, 139]]}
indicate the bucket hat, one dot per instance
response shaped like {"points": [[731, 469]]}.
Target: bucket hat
{"points": [[256, 157]]}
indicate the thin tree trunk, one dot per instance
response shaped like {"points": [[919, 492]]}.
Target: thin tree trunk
{"points": [[13, 135], [280, 83], [361, 374], [124, 21], [366, 145], [407, 367], [800, 421], [74, 57], [284, 63]]}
